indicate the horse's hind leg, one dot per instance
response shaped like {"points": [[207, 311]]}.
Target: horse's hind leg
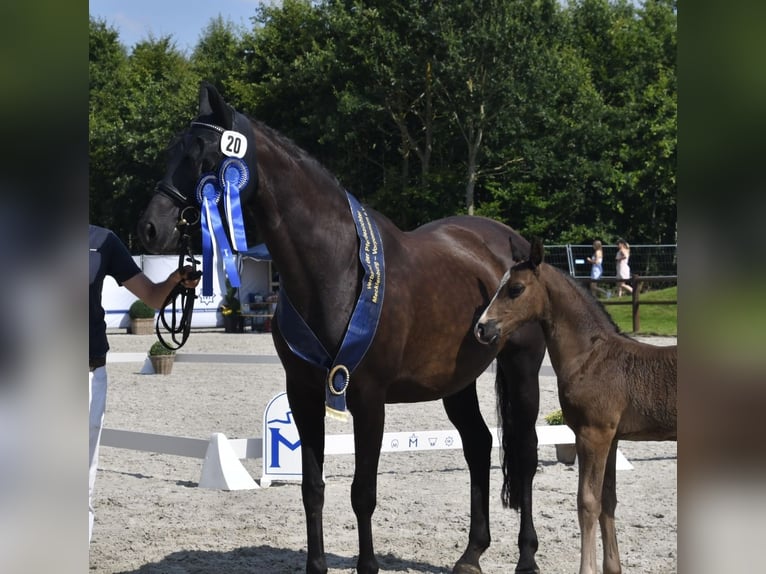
{"points": [[608, 505], [463, 411]]}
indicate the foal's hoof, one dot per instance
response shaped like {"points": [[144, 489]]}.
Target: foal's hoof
{"points": [[466, 568], [533, 570]]}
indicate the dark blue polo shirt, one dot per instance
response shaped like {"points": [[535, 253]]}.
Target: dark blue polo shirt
{"points": [[108, 256]]}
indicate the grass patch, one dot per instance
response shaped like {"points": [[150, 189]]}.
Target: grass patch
{"points": [[655, 319]]}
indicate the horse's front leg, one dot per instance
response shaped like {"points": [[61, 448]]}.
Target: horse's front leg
{"points": [[593, 446], [463, 411], [608, 506], [369, 418], [308, 412]]}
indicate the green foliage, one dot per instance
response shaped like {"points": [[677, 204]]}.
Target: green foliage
{"points": [[158, 348], [559, 120], [137, 102], [231, 303], [140, 310], [555, 418]]}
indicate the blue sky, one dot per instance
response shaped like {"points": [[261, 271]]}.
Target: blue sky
{"points": [[136, 20]]}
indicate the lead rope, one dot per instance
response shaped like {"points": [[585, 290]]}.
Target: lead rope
{"points": [[179, 326]]}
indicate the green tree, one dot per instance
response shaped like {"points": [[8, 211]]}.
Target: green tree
{"points": [[220, 56], [559, 120], [108, 64], [632, 55], [137, 105]]}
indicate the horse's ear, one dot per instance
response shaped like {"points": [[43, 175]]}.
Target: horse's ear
{"points": [[536, 252], [516, 253], [212, 108]]}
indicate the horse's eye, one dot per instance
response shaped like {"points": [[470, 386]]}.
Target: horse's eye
{"points": [[515, 290]]}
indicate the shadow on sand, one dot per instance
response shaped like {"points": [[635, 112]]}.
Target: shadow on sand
{"points": [[267, 560]]}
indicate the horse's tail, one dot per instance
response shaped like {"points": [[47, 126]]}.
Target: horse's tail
{"points": [[517, 387], [510, 453]]}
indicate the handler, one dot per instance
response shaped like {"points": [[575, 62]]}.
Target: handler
{"points": [[109, 256]]}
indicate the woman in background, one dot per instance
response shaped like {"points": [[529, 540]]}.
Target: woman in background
{"points": [[597, 268], [623, 269]]}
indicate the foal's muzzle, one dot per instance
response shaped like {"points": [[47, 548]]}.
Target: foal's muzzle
{"points": [[486, 332]]}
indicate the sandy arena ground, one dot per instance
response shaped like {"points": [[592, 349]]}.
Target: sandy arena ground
{"points": [[152, 518]]}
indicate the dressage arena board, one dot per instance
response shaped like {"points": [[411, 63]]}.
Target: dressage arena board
{"points": [[279, 448]]}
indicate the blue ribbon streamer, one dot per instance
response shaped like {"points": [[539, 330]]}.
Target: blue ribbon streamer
{"points": [[232, 177], [205, 197], [362, 325]]}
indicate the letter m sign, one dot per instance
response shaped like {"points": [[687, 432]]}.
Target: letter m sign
{"points": [[281, 445]]}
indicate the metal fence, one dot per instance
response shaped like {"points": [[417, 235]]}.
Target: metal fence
{"points": [[645, 260], [656, 265]]}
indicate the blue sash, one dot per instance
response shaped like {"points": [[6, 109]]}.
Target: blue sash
{"points": [[361, 327]]}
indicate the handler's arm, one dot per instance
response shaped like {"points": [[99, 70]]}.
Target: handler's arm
{"points": [[154, 294]]}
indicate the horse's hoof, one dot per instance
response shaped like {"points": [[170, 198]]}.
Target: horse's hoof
{"points": [[465, 568], [533, 570]]}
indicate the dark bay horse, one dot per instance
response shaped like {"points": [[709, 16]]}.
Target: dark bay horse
{"points": [[611, 387], [438, 279]]}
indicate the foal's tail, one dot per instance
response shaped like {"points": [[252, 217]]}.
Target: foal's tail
{"points": [[517, 406]]}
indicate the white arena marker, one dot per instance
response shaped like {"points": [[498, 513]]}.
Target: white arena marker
{"points": [[147, 368], [222, 469]]}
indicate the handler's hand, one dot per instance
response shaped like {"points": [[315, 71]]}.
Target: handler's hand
{"points": [[189, 277]]}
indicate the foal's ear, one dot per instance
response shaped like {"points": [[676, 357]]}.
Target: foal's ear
{"points": [[212, 107], [536, 252]]}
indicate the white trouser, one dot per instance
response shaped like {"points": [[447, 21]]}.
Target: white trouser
{"points": [[97, 405]]}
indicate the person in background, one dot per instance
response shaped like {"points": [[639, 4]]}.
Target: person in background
{"points": [[597, 268], [109, 256], [623, 268]]}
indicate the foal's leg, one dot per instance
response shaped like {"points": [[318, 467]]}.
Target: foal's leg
{"points": [[307, 407], [593, 446], [608, 505], [369, 416], [463, 411]]}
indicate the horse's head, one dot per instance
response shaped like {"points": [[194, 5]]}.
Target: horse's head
{"points": [[519, 299], [218, 133]]}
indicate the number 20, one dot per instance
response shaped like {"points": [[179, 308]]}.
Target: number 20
{"points": [[233, 144]]}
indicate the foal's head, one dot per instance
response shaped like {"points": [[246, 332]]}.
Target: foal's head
{"points": [[521, 298]]}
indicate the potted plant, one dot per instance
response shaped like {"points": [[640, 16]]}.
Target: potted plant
{"points": [[141, 318], [565, 453], [161, 358], [233, 321]]}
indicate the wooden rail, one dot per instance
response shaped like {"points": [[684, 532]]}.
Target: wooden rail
{"points": [[636, 281]]}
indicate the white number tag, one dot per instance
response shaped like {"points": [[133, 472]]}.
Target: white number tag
{"points": [[233, 144]]}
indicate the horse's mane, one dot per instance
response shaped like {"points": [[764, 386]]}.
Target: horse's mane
{"points": [[294, 151], [596, 307], [288, 145]]}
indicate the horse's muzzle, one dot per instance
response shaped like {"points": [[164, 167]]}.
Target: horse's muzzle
{"points": [[156, 227]]}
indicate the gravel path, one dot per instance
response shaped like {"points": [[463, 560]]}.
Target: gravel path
{"points": [[152, 518]]}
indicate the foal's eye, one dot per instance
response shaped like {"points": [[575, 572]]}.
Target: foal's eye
{"points": [[515, 290]]}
